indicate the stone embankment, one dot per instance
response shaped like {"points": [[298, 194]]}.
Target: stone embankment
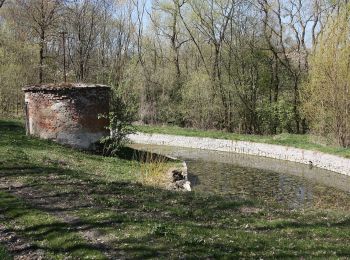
{"points": [[179, 179], [312, 158]]}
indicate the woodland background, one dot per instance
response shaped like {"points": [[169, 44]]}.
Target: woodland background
{"points": [[245, 66]]}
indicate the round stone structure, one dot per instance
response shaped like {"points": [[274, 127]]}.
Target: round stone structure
{"points": [[67, 113]]}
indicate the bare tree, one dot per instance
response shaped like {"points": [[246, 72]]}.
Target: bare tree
{"points": [[83, 32], [213, 19], [40, 16], [115, 25], [290, 48], [170, 29]]}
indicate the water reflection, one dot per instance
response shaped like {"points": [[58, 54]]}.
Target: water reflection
{"points": [[248, 182], [291, 184]]}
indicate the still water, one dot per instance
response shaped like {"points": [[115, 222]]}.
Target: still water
{"points": [[291, 184]]}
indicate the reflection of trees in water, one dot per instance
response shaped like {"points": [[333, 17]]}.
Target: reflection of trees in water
{"points": [[193, 178], [294, 193], [290, 191]]}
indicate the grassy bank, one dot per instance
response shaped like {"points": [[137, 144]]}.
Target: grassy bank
{"points": [[4, 254], [69, 204], [307, 142]]}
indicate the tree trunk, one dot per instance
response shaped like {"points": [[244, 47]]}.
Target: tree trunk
{"points": [[41, 56], [296, 105]]}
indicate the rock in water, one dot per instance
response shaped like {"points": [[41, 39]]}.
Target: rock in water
{"points": [[180, 181], [187, 186]]}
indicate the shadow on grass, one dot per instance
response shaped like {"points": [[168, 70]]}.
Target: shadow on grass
{"points": [[169, 223], [135, 221], [123, 205], [128, 153]]}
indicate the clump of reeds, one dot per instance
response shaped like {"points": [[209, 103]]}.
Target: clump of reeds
{"points": [[154, 169]]}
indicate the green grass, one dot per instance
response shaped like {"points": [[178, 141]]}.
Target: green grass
{"points": [[46, 232], [307, 142], [4, 254], [136, 221]]}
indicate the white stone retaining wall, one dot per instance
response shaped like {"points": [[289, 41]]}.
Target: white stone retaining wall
{"points": [[317, 159]]}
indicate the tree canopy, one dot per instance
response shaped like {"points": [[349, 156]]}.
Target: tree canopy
{"points": [[232, 65], [327, 92]]}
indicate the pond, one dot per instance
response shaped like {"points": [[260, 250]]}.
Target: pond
{"points": [[290, 184]]}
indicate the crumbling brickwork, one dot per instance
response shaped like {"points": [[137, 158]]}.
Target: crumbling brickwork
{"points": [[67, 113]]}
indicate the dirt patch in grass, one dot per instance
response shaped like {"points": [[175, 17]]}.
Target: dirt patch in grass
{"points": [[18, 246]]}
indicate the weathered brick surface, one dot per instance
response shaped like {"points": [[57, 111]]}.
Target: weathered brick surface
{"points": [[68, 115]]}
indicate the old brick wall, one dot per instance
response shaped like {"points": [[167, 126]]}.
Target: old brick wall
{"points": [[68, 115]]}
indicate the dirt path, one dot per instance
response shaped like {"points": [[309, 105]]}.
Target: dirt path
{"points": [[19, 247], [59, 206]]}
